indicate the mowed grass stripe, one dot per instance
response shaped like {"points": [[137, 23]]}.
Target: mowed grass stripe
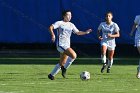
{"points": [[33, 79]]}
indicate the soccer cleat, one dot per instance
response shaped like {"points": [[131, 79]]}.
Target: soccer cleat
{"points": [[63, 71], [51, 77], [108, 70], [103, 68], [138, 73]]}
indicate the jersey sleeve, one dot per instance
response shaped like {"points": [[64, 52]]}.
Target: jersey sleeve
{"points": [[137, 18], [117, 29], [56, 24], [100, 26], [74, 29]]}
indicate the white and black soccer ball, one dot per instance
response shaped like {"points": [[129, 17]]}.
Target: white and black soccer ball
{"points": [[85, 75]]}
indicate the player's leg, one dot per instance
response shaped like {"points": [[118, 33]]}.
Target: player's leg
{"points": [[71, 57], [103, 57], [54, 71], [138, 68], [63, 58], [110, 59], [103, 53]]}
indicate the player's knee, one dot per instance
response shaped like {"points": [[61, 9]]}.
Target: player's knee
{"points": [[74, 56], [110, 58]]}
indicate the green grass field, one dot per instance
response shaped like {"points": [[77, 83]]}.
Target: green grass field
{"points": [[32, 78]]}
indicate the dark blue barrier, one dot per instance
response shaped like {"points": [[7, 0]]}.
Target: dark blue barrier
{"points": [[27, 21]]}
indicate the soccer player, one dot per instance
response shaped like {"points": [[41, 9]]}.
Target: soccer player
{"points": [[64, 31], [137, 39], [107, 32]]}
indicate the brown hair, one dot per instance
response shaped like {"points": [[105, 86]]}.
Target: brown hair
{"points": [[64, 12], [109, 13]]}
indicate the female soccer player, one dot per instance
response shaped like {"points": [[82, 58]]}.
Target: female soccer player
{"points": [[110, 31], [137, 39], [67, 54]]}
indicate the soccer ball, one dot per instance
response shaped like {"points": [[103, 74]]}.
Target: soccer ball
{"points": [[85, 75]]}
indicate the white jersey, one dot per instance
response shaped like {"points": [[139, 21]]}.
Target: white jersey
{"points": [[64, 30], [108, 29], [137, 35]]}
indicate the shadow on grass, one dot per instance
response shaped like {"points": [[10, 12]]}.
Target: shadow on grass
{"points": [[79, 61]]}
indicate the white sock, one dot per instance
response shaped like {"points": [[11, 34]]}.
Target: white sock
{"points": [[103, 58], [56, 69], [110, 63], [69, 62]]}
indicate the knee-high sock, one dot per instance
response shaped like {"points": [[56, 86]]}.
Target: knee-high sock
{"points": [[56, 69], [103, 58], [68, 62], [110, 63]]}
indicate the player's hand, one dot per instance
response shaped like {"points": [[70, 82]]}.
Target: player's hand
{"points": [[53, 38], [89, 31], [100, 38], [110, 35]]}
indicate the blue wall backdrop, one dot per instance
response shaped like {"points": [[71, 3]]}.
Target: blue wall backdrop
{"points": [[27, 21]]}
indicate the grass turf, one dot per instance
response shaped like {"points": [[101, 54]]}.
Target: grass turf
{"points": [[32, 78]]}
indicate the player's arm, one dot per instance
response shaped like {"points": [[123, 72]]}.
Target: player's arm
{"points": [[98, 35], [52, 33], [99, 32], [84, 33], [117, 34], [133, 29]]}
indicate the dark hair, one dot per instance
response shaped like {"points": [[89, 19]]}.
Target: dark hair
{"points": [[109, 12], [64, 12]]}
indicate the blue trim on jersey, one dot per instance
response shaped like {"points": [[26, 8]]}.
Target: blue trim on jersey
{"points": [[58, 33], [73, 32], [57, 37], [62, 48]]}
